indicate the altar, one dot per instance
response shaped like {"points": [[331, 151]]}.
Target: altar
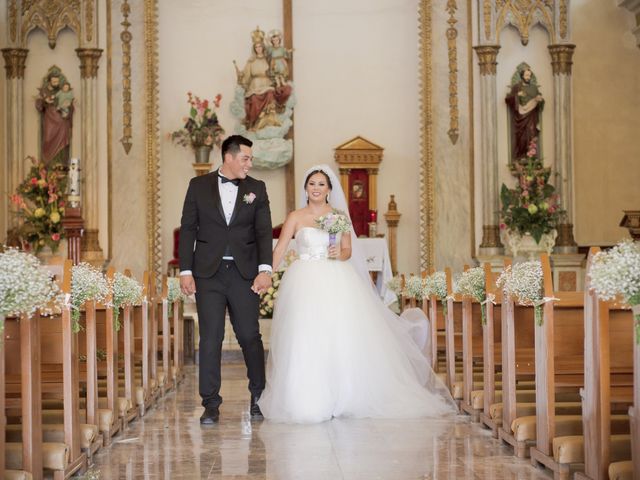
{"points": [[376, 252]]}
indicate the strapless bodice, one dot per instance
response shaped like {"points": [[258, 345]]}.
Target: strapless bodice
{"points": [[312, 243]]}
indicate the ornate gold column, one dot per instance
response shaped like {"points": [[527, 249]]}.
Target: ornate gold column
{"points": [[491, 245], [561, 62], [14, 64], [89, 60], [393, 218]]}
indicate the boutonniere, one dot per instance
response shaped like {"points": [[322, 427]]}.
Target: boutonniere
{"points": [[249, 198]]}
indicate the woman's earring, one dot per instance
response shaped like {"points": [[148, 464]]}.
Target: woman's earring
{"points": [[306, 195], [327, 198]]}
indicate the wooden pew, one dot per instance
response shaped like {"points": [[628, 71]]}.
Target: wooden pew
{"points": [[453, 340], [165, 337], [48, 341], [492, 350], [142, 341], [609, 358], [472, 355]]}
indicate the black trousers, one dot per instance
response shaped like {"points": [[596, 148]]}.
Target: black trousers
{"points": [[225, 289]]}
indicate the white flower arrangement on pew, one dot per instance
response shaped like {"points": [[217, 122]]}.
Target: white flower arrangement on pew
{"points": [[87, 283], [616, 272], [174, 293], [471, 283], [523, 282], [395, 285], [25, 286], [126, 291], [414, 287], [436, 284]]}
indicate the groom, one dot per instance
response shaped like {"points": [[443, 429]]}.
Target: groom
{"points": [[225, 259]]}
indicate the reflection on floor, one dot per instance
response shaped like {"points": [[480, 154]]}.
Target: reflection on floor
{"points": [[170, 443]]}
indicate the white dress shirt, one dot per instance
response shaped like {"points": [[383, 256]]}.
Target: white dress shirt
{"points": [[228, 195]]}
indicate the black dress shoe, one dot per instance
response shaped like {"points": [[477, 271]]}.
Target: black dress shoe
{"points": [[210, 416], [254, 410]]}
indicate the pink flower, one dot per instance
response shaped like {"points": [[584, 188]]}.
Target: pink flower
{"points": [[216, 101], [503, 226], [55, 237], [249, 198], [34, 181]]}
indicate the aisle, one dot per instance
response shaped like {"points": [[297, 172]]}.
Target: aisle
{"points": [[170, 443]]}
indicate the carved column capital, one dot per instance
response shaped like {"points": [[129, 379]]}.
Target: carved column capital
{"points": [[14, 61], [89, 59], [487, 58], [561, 58]]}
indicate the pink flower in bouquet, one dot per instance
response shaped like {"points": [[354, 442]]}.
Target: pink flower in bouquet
{"points": [[34, 181], [55, 237]]}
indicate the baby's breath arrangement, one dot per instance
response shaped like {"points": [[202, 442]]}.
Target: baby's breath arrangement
{"points": [[126, 291], [414, 287], [25, 285], [471, 283], [174, 292], [436, 284], [87, 283], [616, 272], [523, 282]]}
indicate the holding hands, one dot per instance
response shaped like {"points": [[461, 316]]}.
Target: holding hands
{"points": [[261, 283]]}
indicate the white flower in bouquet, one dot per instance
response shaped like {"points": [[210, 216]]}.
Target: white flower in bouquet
{"points": [[174, 292], [471, 283], [395, 285], [616, 272], [25, 285], [414, 287], [87, 283], [523, 282], [126, 291], [334, 222], [436, 284]]}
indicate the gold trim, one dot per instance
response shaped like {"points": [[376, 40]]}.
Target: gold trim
{"points": [[522, 15], [127, 111], [89, 61], [154, 237], [563, 19], [109, 134], [88, 18], [452, 37], [561, 58], [51, 16], [14, 61], [427, 204], [487, 58], [487, 19], [13, 20], [491, 237], [472, 174]]}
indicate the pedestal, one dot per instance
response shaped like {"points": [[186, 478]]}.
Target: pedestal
{"points": [[73, 225], [91, 251], [568, 272], [201, 168], [496, 262]]}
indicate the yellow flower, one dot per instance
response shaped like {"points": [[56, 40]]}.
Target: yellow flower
{"points": [[55, 217], [270, 290], [42, 183], [270, 303], [39, 212], [532, 209]]}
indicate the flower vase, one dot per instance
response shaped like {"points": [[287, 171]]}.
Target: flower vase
{"points": [[45, 255], [202, 154], [525, 248]]}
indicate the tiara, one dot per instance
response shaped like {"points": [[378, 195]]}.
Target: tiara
{"points": [[257, 36]]}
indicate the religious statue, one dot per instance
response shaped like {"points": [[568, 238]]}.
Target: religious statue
{"points": [[55, 102], [525, 104], [264, 100]]}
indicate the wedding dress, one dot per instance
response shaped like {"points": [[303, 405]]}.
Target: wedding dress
{"points": [[337, 351]]}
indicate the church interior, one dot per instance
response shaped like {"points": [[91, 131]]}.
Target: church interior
{"points": [[488, 156]]}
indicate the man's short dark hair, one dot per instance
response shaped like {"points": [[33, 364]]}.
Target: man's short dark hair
{"points": [[232, 144]]}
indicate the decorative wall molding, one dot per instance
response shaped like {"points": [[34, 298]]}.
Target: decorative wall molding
{"points": [[13, 20], [89, 61], [452, 37], [523, 14], [561, 58], [427, 194], [127, 111], [88, 18], [152, 136], [14, 61], [51, 16], [487, 58]]}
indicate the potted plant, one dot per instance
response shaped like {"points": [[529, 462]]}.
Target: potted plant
{"points": [[201, 129], [531, 211]]}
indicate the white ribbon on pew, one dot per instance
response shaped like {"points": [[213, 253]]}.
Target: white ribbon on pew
{"points": [[545, 300], [490, 298]]}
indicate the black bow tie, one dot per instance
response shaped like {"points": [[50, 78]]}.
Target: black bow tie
{"points": [[235, 181]]}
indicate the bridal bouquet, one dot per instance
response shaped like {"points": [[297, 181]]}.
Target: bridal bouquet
{"points": [[334, 222], [617, 272]]}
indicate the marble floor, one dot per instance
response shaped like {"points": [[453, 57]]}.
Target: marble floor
{"points": [[170, 443]]}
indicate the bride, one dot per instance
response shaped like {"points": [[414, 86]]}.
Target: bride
{"points": [[336, 350]]}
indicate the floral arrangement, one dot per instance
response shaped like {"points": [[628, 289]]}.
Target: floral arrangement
{"points": [[523, 282], [25, 285], [38, 201], [87, 283], [126, 291], [471, 283], [436, 284], [414, 287], [174, 293], [395, 285], [532, 207], [334, 222], [201, 127], [268, 298], [616, 272]]}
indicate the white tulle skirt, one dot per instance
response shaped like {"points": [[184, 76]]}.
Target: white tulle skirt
{"points": [[337, 351]]}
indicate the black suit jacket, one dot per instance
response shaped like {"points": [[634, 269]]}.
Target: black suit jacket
{"points": [[204, 233]]}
